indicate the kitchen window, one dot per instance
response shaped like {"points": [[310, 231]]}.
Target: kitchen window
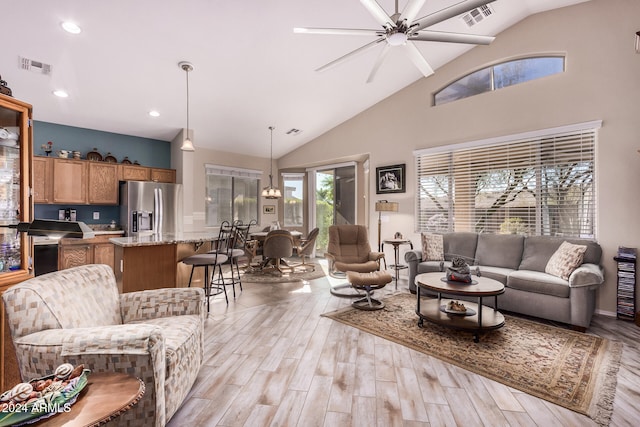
{"points": [[232, 194]]}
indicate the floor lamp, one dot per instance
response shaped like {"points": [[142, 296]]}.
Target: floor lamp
{"points": [[384, 206]]}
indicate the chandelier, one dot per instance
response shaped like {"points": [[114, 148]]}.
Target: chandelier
{"points": [[271, 192]]}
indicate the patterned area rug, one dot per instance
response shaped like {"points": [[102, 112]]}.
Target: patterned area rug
{"points": [[275, 277], [571, 369]]}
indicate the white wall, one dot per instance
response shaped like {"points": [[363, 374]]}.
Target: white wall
{"points": [[602, 81]]}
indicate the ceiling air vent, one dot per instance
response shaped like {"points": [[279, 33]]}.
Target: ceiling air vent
{"points": [[35, 66], [293, 131], [476, 15]]}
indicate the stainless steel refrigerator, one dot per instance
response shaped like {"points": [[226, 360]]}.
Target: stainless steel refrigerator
{"points": [[150, 207]]}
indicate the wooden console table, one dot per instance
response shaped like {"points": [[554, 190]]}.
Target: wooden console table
{"points": [[105, 397]]}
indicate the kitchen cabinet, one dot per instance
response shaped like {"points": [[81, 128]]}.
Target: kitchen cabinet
{"points": [[97, 250], [134, 173], [69, 181], [42, 188], [163, 175], [82, 182], [103, 183], [16, 205]]}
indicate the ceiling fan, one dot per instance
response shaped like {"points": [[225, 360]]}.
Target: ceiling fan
{"points": [[401, 30]]}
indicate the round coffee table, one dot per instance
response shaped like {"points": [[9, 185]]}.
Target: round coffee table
{"points": [[477, 318]]}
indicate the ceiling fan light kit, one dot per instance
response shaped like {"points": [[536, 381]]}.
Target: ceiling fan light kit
{"points": [[187, 144], [402, 29]]}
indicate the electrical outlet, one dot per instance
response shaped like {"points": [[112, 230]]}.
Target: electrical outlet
{"points": [[96, 215]]}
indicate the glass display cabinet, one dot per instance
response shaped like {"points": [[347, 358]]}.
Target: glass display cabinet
{"points": [[16, 151]]}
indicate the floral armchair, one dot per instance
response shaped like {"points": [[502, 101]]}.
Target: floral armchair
{"points": [[78, 316]]}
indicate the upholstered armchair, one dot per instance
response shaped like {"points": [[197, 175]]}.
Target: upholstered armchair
{"points": [[78, 316], [349, 250]]}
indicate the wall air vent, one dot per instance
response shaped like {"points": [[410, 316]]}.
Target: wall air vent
{"points": [[35, 66], [476, 15]]}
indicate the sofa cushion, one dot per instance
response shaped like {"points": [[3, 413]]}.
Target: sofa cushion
{"points": [[566, 258], [432, 247], [460, 244], [539, 249], [537, 282], [496, 273], [500, 250]]}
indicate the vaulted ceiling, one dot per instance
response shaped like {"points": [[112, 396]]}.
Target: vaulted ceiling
{"points": [[250, 70]]}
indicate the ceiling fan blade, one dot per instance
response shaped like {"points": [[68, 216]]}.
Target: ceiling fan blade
{"points": [[411, 10], [338, 31], [379, 61], [450, 12], [417, 58], [441, 36], [378, 13], [350, 55]]}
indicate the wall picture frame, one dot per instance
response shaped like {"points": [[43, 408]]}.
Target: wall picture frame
{"points": [[391, 179], [269, 209]]}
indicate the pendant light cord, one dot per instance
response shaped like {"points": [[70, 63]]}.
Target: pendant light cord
{"points": [[271, 128], [187, 72]]}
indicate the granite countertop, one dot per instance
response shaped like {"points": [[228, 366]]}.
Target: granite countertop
{"points": [[165, 238]]}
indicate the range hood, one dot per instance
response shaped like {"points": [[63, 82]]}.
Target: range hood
{"points": [[56, 229]]}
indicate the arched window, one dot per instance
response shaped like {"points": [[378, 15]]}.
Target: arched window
{"points": [[501, 75]]}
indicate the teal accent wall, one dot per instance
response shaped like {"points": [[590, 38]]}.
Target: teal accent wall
{"points": [[148, 152]]}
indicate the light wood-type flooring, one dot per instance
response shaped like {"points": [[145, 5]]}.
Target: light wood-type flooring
{"points": [[272, 360]]}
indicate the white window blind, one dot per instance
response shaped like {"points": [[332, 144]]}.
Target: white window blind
{"points": [[541, 183]]}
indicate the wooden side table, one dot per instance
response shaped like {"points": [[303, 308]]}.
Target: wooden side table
{"points": [[105, 397], [396, 266]]}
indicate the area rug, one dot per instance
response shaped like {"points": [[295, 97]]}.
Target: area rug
{"points": [[273, 277], [571, 369]]}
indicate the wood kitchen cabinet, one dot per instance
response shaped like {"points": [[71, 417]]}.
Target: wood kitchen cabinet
{"points": [[103, 183], [42, 187], [97, 250], [69, 181], [163, 175], [134, 173]]}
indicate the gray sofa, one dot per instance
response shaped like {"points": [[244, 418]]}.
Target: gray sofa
{"points": [[519, 263]]}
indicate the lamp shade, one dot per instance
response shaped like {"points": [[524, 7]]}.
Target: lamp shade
{"points": [[385, 206]]}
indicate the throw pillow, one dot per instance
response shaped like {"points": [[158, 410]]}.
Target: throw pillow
{"points": [[567, 258], [432, 247]]}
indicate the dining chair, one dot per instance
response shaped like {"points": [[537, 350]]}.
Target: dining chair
{"points": [[304, 248], [277, 245]]}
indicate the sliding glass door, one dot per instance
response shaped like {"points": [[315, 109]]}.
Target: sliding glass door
{"points": [[333, 199]]}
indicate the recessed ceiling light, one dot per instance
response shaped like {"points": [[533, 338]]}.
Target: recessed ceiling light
{"points": [[71, 27], [61, 93], [154, 113]]}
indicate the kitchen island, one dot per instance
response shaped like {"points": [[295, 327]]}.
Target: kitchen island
{"points": [[153, 261]]}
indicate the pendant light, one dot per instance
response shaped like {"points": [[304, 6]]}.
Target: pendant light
{"points": [[187, 145], [270, 192]]}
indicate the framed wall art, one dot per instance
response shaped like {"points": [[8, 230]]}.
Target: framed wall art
{"points": [[391, 179], [269, 209]]}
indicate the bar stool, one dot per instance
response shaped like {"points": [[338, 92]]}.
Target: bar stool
{"points": [[224, 245], [205, 260]]}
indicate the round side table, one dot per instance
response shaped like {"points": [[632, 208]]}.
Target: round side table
{"points": [[106, 396], [396, 266]]}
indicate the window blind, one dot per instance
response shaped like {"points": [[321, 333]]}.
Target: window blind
{"points": [[541, 183]]}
